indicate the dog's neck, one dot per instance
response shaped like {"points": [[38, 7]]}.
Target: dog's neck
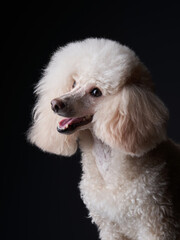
{"points": [[112, 164], [102, 154], [108, 161]]}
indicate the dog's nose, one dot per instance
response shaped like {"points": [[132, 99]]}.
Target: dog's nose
{"points": [[57, 105]]}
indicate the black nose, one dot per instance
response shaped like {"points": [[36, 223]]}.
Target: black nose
{"points": [[57, 105]]}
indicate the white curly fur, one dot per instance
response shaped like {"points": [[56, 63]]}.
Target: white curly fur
{"points": [[130, 179]]}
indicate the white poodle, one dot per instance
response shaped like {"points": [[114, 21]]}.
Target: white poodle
{"points": [[103, 101]]}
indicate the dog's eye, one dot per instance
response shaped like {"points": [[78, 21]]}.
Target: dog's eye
{"points": [[74, 84], [95, 92]]}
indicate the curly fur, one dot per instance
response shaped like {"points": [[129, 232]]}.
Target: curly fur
{"points": [[131, 170]]}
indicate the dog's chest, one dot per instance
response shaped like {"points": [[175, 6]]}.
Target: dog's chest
{"points": [[102, 184]]}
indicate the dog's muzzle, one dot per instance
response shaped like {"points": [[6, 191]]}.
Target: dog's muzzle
{"points": [[68, 125]]}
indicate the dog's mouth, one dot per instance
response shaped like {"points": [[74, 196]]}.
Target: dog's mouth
{"points": [[69, 125]]}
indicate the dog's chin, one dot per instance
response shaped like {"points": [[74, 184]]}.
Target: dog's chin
{"points": [[70, 125]]}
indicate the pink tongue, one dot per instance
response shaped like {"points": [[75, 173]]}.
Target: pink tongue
{"points": [[64, 121], [69, 121]]}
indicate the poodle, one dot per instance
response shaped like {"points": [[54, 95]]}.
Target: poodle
{"points": [[97, 95]]}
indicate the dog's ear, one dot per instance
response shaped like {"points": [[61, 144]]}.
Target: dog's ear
{"points": [[133, 120], [43, 131]]}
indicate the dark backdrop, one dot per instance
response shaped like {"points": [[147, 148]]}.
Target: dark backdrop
{"points": [[40, 198]]}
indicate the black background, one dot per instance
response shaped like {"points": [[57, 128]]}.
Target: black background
{"points": [[40, 198]]}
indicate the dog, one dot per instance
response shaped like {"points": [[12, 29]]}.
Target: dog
{"points": [[97, 95]]}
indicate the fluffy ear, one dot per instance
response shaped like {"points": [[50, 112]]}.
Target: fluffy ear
{"points": [[43, 131], [133, 120]]}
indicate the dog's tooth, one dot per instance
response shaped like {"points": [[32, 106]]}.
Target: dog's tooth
{"points": [[66, 126]]}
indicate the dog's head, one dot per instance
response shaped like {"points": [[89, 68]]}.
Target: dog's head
{"points": [[101, 85]]}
